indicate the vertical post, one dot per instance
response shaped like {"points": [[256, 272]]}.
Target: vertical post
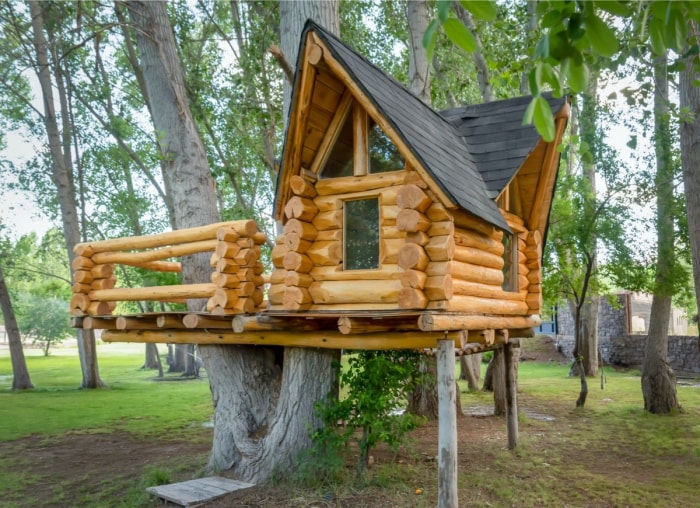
{"points": [[511, 395], [447, 425]]}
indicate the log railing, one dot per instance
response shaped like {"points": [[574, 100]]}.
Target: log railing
{"points": [[236, 284]]}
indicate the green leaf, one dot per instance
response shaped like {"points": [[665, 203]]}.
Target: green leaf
{"points": [[460, 35], [656, 36], [532, 77], [601, 36], [543, 119], [443, 9], [429, 39], [676, 30], [481, 9], [614, 7], [575, 73]]}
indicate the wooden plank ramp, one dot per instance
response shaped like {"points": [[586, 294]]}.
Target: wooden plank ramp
{"points": [[196, 492]]}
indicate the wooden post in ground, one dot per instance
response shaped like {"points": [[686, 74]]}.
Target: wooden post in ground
{"points": [[511, 395], [447, 421]]}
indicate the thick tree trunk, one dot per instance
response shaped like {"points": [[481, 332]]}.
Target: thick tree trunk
{"points": [[263, 400], [62, 176], [20, 374], [423, 400], [658, 379], [151, 360], [470, 370], [690, 159]]}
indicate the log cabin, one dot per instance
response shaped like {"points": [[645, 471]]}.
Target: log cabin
{"points": [[401, 225]]}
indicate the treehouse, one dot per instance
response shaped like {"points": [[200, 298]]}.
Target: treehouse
{"points": [[401, 226]]}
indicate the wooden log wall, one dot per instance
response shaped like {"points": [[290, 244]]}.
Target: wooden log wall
{"points": [[308, 256], [236, 284]]}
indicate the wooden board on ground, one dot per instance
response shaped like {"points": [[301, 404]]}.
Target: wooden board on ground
{"points": [[196, 492]]}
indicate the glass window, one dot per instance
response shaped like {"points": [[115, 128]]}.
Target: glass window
{"points": [[340, 160], [383, 154], [361, 240], [510, 263]]}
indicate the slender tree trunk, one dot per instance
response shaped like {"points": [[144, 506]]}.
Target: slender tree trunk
{"points": [[62, 177], [418, 67], [482, 69], [690, 157], [470, 370], [658, 379], [264, 399], [20, 374]]}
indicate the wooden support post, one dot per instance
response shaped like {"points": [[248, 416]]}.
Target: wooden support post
{"points": [[447, 421], [511, 395]]}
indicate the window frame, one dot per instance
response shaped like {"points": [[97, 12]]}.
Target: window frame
{"points": [[345, 230]]}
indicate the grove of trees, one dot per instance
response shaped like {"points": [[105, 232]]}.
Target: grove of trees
{"points": [[144, 116]]}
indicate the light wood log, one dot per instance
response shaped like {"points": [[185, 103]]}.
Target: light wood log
{"points": [[79, 301], [296, 243], [440, 322], [300, 208], [441, 228], [479, 257], [419, 237], [462, 303], [130, 323], [438, 287], [465, 220], [413, 197], [329, 339], [100, 308], [476, 273], [225, 298], [225, 280], [440, 248], [447, 426], [213, 260], [341, 292], [412, 298], [247, 273], [108, 283], [413, 279], [304, 230], [258, 297], [437, 212], [355, 325], [388, 214], [275, 294], [102, 271], [227, 266], [330, 203], [245, 243], [325, 254], [296, 298], [523, 283], [413, 256], [348, 184], [277, 277], [262, 323], [391, 233], [298, 262], [330, 235], [387, 271], [247, 257], [227, 249], [204, 290], [412, 221], [199, 321], [413, 178], [360, 140], [534, 302], [390, 250], [278, 253], [78, 287], [439, 268], [463, 287], [169, 321], [259, 238], [83, 250], [301, 187], [93, 323], [82, 263], [139, 258], [534, 276], [478, 241], [328, 220], [303, 280], [82, 276], [226, 234]]}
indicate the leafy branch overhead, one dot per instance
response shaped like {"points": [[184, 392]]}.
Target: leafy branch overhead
{"points": [[576, 38]]}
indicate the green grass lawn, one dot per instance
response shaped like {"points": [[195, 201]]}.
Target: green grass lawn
{"points": [[610, 453], [132, 400]]}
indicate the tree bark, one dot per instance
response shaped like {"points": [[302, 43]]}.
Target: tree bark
{"points": [[418, 67], [62, 177], [690, 158], [20, 374], [263, 398], [658, 379], [470, 370], [482, 69]]}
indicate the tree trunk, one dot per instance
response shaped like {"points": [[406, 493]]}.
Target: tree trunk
{"points": [[423, 400], [690, 159], [62, 176], [470, 370], [482, 68], [264, 400], [499, 382], [151, 360], [418, 67], [20, 374], [658, 379]]}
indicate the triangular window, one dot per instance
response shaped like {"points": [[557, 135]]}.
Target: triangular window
{"points": [[360, 147]]}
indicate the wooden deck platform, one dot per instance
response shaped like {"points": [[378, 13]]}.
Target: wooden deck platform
{"points": [[197, 492]]}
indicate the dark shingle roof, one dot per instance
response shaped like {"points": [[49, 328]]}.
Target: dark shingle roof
{"points": [[497, 140], [438, 146]]}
